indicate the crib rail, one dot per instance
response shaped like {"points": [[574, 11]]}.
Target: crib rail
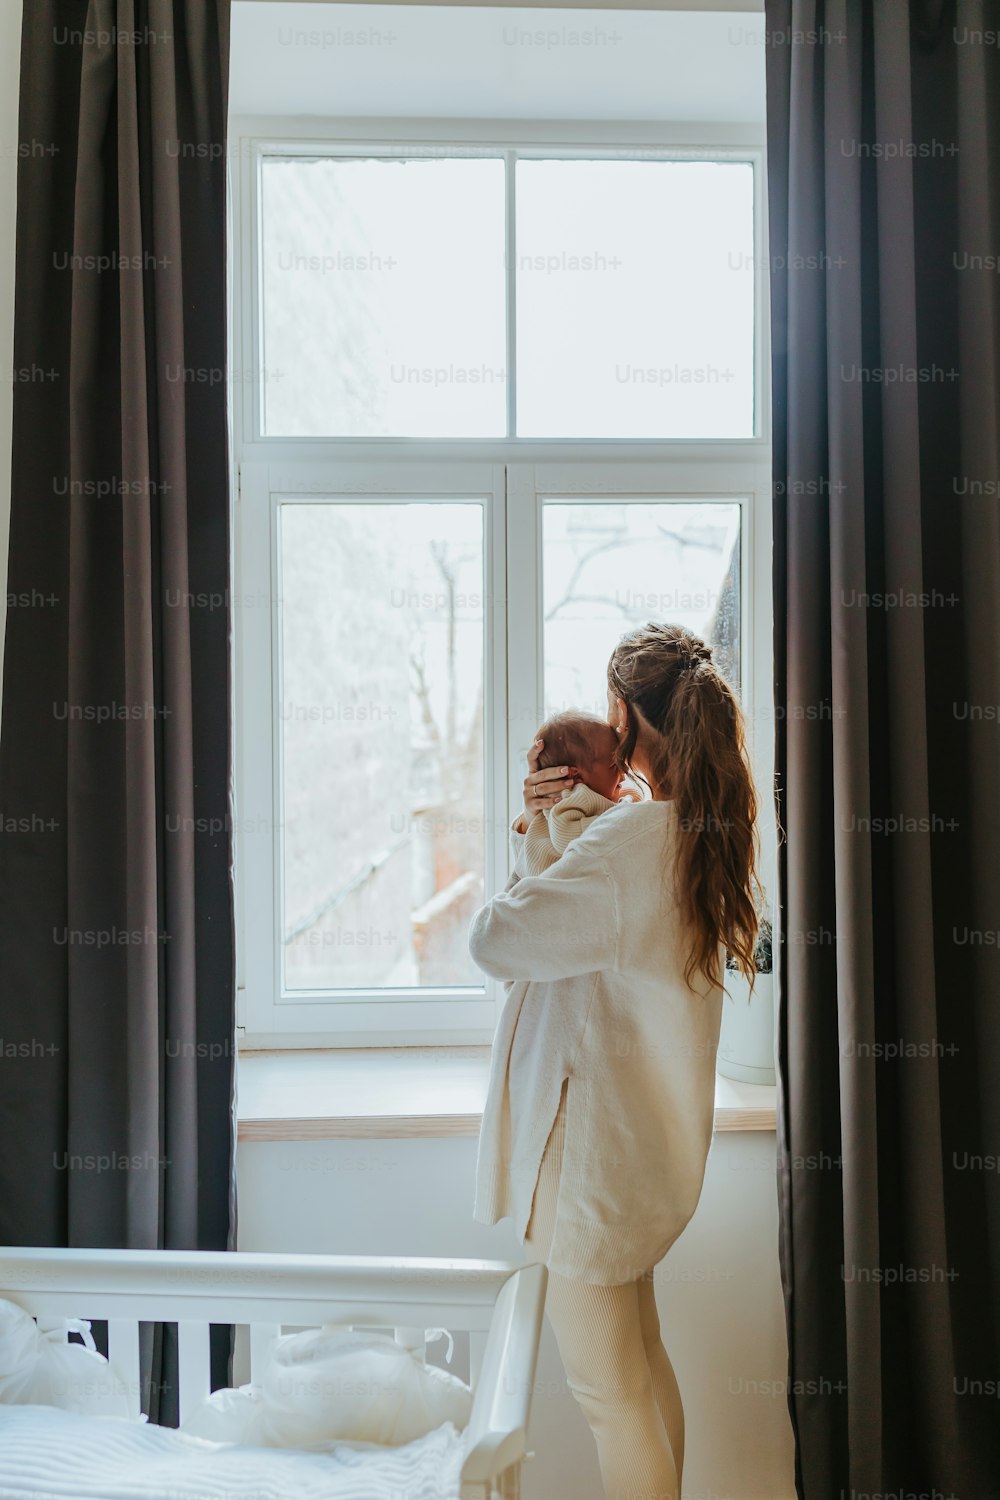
{"points": [[499, 1304], [249, 1287]]}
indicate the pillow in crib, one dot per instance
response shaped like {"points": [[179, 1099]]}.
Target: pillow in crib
{"points": [[228, 1416], [39, 1368], [320, 1387]]}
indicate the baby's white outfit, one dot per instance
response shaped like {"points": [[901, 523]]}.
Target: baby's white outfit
{"points": [[551, 831]]}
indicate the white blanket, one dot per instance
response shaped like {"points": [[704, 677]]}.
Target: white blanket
{"points": [[56, 1454]]}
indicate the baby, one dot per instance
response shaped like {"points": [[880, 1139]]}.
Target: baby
{"points": [[587, 745]]}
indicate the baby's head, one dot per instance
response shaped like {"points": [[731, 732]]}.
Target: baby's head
{"points": [[587, 745]]}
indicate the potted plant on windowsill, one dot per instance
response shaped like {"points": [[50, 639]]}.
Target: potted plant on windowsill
{"points": [[746, 1041]]}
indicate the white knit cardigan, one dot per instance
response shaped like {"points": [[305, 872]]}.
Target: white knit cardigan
{"points": [[596, 948]]}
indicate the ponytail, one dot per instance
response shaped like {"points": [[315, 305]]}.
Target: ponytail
{"points": [[693, 735]]}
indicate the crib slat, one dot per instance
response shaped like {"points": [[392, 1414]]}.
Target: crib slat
{"points": [[194, 1369], [262, 1341], [477, 1344], [123, 1357]]}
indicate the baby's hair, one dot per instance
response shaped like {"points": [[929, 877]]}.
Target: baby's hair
{"points": [[569, 739]]}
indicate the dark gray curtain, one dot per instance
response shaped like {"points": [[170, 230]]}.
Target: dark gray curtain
{"points": [[116, 933], [883, 128]]}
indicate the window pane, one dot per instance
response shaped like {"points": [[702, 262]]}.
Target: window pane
{"points": [[383, 297], [634, 299], [609, 567], [381, 728]]}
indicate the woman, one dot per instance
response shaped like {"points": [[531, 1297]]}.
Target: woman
{"points": [[599, 1113]]}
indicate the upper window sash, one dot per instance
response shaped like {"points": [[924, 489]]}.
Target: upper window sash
{"points": [[254, 141]]}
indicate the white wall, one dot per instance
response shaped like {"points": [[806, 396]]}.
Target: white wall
{"points": [[10, 59], [299, 57], [718, 1291]]}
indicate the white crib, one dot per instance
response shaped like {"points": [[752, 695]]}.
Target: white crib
{"points": [[500, 1306]]}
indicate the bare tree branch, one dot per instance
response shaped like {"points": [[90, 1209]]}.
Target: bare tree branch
{"points": [[682, 540], [424, 699], [629, 611], [578, 568]]}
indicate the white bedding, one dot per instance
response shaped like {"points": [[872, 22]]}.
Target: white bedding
{"points": [[56, 1454]]}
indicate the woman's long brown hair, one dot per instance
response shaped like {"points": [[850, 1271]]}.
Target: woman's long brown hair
{"points": [[695, 739]]}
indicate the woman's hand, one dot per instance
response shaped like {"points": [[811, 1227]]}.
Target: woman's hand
{"points": [[542, 788]]}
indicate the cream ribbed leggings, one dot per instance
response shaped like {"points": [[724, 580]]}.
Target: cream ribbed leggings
{"points": [[615, 1362]]}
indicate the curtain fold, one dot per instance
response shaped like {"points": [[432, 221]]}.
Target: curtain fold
{"points": [[116, 928], [883, 184]]}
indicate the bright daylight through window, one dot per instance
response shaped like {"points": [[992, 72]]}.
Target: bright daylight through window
{"points": [[401, 660], [384, 287], [505, 403]]}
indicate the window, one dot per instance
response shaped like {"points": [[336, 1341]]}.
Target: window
{"points": [[608, 566], [382, 669], [652, 337], [382, 284], [500, 403], [387, 307]]}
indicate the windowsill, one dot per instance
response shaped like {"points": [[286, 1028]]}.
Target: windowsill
{"points": [[394, 1092]]}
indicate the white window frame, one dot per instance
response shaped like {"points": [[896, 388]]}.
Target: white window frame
{"points": [[511, 474]]}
